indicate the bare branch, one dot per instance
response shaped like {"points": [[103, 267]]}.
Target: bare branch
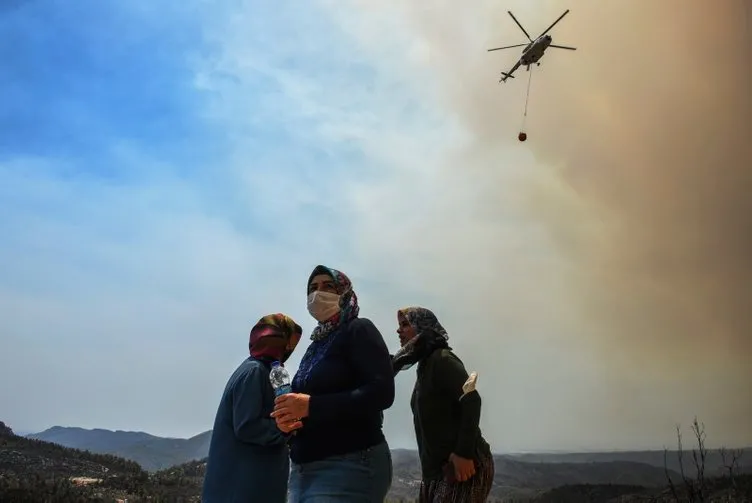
{"points": [[668, 477], [688, 483], [730, 460], [699, 457]]}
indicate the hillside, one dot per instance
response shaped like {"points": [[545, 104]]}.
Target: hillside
{"points": [[33, 471], [513, 476], [404, 489], [525, 477], [151, 452]]}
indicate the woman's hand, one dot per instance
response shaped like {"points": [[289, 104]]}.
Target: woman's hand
{"points": [[289, 427], [464, 468], [290, 408]]}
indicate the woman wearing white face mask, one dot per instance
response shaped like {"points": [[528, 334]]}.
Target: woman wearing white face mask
{"points": [[344, 383]]}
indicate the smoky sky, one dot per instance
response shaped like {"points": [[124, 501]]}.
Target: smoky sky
{"points": [[597, 275], [646, 133]]}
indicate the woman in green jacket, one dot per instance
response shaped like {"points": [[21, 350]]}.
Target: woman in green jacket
{"points": [[456, 461]]}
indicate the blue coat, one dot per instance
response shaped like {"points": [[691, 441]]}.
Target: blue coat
{"points": [[248, 456]]}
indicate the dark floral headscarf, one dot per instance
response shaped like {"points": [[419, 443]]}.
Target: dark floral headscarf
{"points": [[274, 337], [430, 336], [323, 335], [348, 302]]}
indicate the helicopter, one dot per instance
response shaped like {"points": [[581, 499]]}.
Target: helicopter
{"points": [[532, 52]]}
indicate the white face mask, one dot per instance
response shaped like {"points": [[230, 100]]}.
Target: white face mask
{"points": [[323, 305]]}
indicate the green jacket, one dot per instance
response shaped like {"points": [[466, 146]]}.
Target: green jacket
{"points": [[444, 424]]}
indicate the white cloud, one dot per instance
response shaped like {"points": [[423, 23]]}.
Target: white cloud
{"points": [[119, 295]]}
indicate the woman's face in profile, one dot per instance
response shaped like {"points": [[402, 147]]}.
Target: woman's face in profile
{"points": [[405, 331]]}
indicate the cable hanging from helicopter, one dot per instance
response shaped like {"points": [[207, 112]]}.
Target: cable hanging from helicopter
{"points": [[531, 55], [523, 135]]}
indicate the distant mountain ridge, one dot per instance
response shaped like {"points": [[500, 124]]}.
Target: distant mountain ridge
{"points": [[539, 478], [513, 476], [714, 464], [35, 470], [157, 453], [151, 452]]}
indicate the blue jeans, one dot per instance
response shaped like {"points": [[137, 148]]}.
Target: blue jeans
{"points": [[357, 477]]}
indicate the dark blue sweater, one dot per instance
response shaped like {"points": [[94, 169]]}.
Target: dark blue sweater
{"points": [[350, 388]]}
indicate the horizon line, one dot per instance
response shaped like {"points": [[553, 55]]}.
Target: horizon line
{"points": [[502, 453]]}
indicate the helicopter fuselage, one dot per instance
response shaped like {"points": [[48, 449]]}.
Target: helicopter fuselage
{"points": [[534, 51]]}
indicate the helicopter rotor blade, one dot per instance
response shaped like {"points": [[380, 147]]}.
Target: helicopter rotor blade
{"points": [[518, 24], [554, 23], [507, 47], [563, 47]]}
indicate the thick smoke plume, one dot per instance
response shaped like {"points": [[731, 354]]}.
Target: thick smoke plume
{"points": [[646, 135]]}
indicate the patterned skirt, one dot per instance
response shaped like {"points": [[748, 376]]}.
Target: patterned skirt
{"points": [[474, 490]]}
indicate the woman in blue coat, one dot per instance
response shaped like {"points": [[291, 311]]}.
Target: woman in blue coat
{"points": [[248, 455]]}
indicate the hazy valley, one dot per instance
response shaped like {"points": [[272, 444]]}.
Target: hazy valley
{"points": [[103, 465]]}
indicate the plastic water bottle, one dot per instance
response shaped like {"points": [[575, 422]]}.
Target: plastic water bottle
{"points": [[280, 379]]}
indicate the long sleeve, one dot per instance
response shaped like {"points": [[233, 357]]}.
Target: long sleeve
{"points": [[450, 374], [370, 356], [250, 423]]}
